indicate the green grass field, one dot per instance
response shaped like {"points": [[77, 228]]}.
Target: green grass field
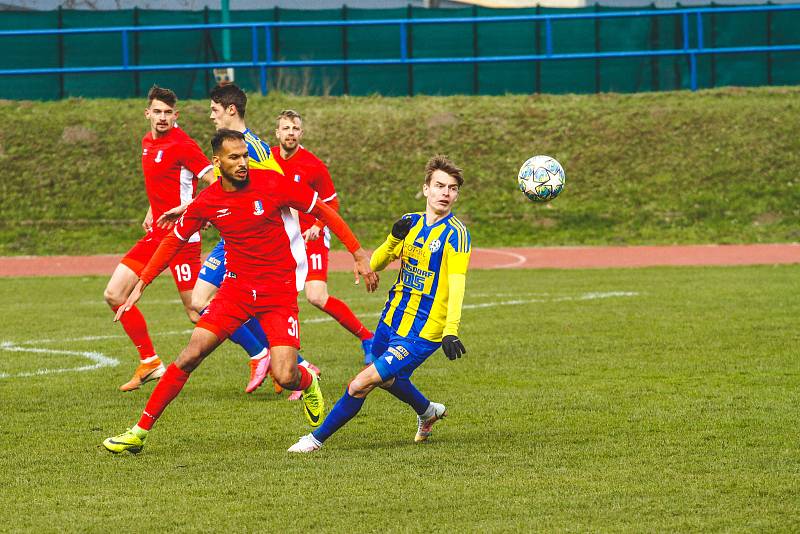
{"points": [[660, 399], [716, 166]]}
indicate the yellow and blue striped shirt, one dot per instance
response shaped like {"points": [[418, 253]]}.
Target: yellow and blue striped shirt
{"points": [[260, 154], [425, 300]]}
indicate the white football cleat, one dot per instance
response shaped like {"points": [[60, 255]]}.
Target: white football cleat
{"points": [[425, 424], [307, 443]]}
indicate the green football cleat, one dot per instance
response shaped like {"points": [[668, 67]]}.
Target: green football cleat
{"points": [[127, 441], [313, 402]]}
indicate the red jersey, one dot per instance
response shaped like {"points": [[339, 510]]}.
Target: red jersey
{"points": [[171, 165], [263, 245], [306, 168]]}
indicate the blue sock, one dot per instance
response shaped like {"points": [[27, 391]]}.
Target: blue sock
{"points": [[345, 409], [243, 337], [407, 392], [300, 359], [254, 326]]}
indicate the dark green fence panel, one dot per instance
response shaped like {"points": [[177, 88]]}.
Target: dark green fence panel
{"points": [[36, 50], [622, 35], [423, 41], [172, 47], [569, 36], [736, 29], [305, 44], [442, 40], [376, 42], [96, 49], [504, 39], [784, 67]]}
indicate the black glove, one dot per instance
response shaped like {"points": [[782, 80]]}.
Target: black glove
{"points": [[452, 347], [401, 228]]}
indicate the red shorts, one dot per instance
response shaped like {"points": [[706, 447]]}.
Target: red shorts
{"points": [[317, 256], [235, 303], [184, 266]]}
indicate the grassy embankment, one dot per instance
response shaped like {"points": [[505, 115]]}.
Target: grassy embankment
{"points": [[711, 167]]}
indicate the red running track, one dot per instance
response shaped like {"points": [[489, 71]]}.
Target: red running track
{"points": [[482, 258]]}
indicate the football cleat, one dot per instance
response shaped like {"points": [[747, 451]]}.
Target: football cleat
{"points": [[144, 373], [313, 402], [307, 443], [127, 441], [259, 368], [425, 424], [367, 346], [295, 395]]}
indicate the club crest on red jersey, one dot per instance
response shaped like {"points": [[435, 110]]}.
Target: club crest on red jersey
{"points": [[258, 208]]}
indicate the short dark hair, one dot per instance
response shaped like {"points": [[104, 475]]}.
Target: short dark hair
{"points": [[224, 135], [166, 96], [228, 95], [440, 162], [287, 114]]}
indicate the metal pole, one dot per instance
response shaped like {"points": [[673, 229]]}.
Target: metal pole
{"points": [[60, 53], [268, 52], [345, 55], [548, 38], [475, 52], [226, 33]]}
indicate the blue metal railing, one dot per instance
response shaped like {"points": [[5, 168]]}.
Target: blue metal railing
{"points": [[691, 52]]}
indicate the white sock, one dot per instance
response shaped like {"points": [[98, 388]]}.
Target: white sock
{"points": [[260, 354], [151, 359]]}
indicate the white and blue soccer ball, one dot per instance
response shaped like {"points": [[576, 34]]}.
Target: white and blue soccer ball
{"points": [[541, 178]]}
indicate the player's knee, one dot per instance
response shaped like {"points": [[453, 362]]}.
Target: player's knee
{"points": [[317, 299], [359, 388], [113, 297], [199, 303], [189, 358]]}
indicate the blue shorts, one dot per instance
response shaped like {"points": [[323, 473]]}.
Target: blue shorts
{"points": [[396, 356], [213, 269]]}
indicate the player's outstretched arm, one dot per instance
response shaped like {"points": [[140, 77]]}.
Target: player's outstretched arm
{"points": [[387, 252], [132, 299], [147, 222], [170, 217], [167, 249], [332, 219]]}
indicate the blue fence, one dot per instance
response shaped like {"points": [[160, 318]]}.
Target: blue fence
{"points": [[263, 57]]}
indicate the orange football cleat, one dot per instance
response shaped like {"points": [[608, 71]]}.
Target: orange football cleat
{"points": [[144, 373]]}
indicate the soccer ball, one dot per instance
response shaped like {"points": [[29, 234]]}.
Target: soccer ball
{"points": [[541, 178]]}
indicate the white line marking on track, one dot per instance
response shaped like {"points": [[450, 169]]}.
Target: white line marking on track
{"points": [[99, 359], [518, 258]]}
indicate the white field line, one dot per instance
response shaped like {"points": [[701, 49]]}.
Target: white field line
{"points": [[314, 320], [99, 359]]}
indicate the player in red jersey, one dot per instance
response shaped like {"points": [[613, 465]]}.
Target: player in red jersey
{"points": [[302, 166], [172, 163], [266, 268]]}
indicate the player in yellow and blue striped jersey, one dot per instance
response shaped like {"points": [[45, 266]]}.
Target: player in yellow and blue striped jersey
{"points": [[423, 310]]}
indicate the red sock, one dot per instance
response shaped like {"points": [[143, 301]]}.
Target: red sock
{"points": [[339, 311], [136, 327], [167, 389], [305, 378]]}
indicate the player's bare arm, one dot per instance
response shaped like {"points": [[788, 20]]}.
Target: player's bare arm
{"points": [[361, 268], [147, 222], [132, 299], [170, 217], [312, 234]]}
